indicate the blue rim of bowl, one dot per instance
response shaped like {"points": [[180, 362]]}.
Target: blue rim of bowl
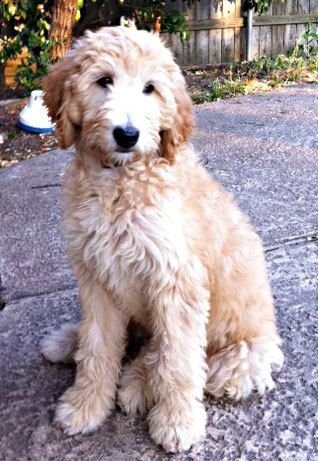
{"points": [[32, 129]]}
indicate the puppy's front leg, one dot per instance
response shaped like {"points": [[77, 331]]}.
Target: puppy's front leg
{"points": [[176, 360], [84, 406]]}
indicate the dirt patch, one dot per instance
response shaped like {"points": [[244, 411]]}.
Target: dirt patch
{"points": [[16, 144]]}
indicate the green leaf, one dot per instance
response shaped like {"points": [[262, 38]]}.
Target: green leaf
{"points": [[12, 8], [11, 136]]}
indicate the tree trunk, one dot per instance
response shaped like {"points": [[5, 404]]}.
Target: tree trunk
{"points": [[63, 20]]}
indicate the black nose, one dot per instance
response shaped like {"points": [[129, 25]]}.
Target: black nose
{"points": [[126, 136]]}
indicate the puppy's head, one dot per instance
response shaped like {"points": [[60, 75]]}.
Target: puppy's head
{"points": [[118, 93]]}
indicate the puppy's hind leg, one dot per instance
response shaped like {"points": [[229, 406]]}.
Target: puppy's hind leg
{"points": [[240, 368], [243, 343], [135, 395], [61, 345]]}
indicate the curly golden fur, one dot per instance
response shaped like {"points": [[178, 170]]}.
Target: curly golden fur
{"points": [[154, 239]]}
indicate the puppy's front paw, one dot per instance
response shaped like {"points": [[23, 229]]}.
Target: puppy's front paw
{"points": [[177, 429], [79, 412]]}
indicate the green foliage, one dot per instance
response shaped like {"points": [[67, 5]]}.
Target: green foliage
{"points": [[263, 73], [261, 6], [33, 69], [307, 44], [11, 136], [220, 88], [28, 23], [80, 4], [148, 10], [265, 67], [172, 20]]}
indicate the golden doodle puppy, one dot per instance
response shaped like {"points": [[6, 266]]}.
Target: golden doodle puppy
{"points": [[154, 239]]}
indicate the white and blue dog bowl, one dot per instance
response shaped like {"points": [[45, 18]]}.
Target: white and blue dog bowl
{"points": [[34, 116]]}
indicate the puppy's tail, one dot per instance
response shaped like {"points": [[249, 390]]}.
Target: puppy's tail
{"points": [[61, 345]]}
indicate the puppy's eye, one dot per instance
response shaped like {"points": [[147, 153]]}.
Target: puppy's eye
{"points": [[104, 82], [148, 88]]}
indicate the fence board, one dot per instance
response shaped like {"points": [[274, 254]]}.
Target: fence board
{"points": [[202, 47], [290, 32], [202, 12], [264, 20], [188, 51], [228, 35], [237, 44], [215, 23], [227, 45], [265, 41], [234, 12], [218, 32], [229, 9], [177, 48], [243, 44], [303, 6], [189, 45], [283, 19], [215, 36], [290, 36], [313, 6], [167, 39], [255, 43], [278, 30], [266, 34], [215, 41], [238, 8]]}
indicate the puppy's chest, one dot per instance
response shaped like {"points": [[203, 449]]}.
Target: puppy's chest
{"points": [[128, 233]]}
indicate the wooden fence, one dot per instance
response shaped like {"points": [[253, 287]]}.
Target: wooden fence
{"points": [[218, 32]]}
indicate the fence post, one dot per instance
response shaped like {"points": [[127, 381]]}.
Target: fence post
{"points": [[249, 34]]}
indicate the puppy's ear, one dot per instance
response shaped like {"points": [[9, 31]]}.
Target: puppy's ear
{"points": [[182, 125], [58, 99]]}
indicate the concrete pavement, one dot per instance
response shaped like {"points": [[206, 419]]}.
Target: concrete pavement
{"points": [[262, 147]]}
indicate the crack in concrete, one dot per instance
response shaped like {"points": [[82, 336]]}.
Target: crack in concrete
{"points": [[2, 301], [289, 241], [45, 186], [26, 296]]}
